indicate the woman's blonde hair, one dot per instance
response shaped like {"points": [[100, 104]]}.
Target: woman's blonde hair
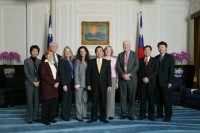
{"points": [[107, 48], [63, 53]]}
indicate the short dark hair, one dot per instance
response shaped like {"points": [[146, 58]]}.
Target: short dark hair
{"points": [[98, 47], [34, 47], [147, 46], [162, 43]]}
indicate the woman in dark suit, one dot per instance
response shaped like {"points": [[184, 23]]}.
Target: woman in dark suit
{"points": [[49, 86], [81, 94], [32, 82], [66, 71]]}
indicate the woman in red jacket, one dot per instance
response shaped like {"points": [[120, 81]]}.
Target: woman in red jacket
{"points": [[49, 86]]}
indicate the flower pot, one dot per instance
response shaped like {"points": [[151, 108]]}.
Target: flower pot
{"points": [[9, 72]]}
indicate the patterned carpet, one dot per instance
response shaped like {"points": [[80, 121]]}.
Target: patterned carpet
{"points": [[184, 120]]}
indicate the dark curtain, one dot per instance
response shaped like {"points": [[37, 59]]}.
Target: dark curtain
{"points": [[196, 50]]}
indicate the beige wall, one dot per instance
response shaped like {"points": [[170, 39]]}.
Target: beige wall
{"points": [[24, 22]]}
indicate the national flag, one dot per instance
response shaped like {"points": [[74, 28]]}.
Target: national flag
{"points": [[141, 39], [50, 36]]}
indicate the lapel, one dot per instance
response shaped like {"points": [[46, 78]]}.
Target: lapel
{"points": [[31, 64]]}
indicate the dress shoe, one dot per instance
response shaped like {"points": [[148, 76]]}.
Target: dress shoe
{"points": [[167, 119], [37, 120], [151, 118], [131, 118], [85, 118], [140, 118], [159, 116], [91, 120], [123, 117], [29, 122], [79, 119], [104, 120], [110, 118], [53, 121], [45, 122], [65, 119]]}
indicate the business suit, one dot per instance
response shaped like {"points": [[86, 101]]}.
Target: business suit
{"points": [[147, 90], [66, 78], [99, 83], [165, 76], [49, 92], [81, 94], [31, 71], [127, 87]]}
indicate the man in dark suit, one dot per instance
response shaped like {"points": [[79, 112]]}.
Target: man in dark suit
{"points": [[98, 80], [148, 70], [127, 66], [165, 79], [53, 46]]}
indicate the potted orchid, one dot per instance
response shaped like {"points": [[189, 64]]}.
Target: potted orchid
{"points": [[8, 59], [179, 57]]}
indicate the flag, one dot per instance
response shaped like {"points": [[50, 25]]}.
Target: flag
{"points": [[50, 36], [141, 39]]}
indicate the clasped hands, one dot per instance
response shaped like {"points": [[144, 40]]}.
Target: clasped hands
{"points": [[108, 89]]}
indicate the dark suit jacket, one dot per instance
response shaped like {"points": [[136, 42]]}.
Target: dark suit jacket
{"points": [[96, 79], [150, 71], [166, 70], [43, 57], [64, 72], [48, 82], [133, 64]]}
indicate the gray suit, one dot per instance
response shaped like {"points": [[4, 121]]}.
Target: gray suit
{"points": [[127, 88], [32, 93], [81, 95]]}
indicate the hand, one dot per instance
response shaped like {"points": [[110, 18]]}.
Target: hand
{"points": [[169, 85], [56, 85], [109, 89], [117, 85], [126, 77], [65, 88], [77, 87], [145, 80], [36, 84], [89, 88]]}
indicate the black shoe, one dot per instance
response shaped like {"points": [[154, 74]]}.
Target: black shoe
{"points": [[151, 118], [65, 119], [110, 118], [45, 122], [159, 116], [131, 118], [123, 117], [79, 119], [85, 118], [91, 120], [53, 121], [140, 118], [104, 120], [167, 119], [37, 120], [29, 122]]}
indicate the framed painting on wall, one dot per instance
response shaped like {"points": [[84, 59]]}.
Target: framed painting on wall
{"points": [[95, 33]]}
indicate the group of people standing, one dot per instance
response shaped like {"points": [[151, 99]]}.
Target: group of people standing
{"points": [[63, 77]]}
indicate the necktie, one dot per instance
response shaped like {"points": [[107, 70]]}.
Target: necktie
{"points": [[146, 61], [125, 62], [54, 60], [99, 65], [161, 57]]}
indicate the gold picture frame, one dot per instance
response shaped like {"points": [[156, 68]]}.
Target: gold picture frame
{"points": [[95, 33]]}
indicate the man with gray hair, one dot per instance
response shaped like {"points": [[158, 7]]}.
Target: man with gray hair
{"points": [[127, 66]]}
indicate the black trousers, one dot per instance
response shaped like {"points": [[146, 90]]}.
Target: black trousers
{"points": [[164, 99], [48, 109], [98, 103], [147, 92], [66, 103]]}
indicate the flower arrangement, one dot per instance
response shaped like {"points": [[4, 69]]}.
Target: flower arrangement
{"points": [[180, 56], [8, 58]]}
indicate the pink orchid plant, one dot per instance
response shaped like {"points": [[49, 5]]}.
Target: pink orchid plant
{"points": [[181, 56], [8, 58]]}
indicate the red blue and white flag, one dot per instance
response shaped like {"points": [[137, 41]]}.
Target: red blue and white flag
{"points": [[141, 39], [50, 36]]}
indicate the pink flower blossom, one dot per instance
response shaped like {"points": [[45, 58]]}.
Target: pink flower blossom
{"points": [[8, 57], [180, 56]]}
